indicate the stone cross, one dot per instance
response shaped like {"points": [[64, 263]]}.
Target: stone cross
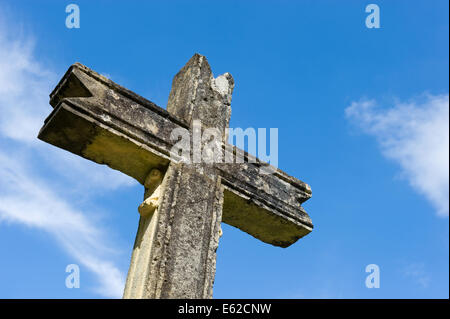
{"points": [[174, 255]]}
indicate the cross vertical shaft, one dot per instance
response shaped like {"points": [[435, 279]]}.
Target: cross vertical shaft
{"points": [[174, 255]]}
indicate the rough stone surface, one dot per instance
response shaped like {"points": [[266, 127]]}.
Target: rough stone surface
{"points": [[184, 204]]}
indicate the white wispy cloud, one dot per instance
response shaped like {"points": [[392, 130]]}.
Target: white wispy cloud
{"points": [[23, 87], [415, 134], [27, 198], [417, 272]]}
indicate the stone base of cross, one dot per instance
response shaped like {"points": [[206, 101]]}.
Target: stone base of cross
{"points": [[174, 255]]}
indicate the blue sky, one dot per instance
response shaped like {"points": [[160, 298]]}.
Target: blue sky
{"points": [[362, 116]]}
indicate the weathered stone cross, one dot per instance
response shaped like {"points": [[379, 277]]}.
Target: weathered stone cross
{"points": [[174, 254]]}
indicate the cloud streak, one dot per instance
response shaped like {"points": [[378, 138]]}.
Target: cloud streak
{"points": [[416, 272], [416, 136], [26, 199], [32, 200]]}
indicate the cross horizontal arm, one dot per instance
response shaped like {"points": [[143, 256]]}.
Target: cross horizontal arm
{"points": [[99, 120]]}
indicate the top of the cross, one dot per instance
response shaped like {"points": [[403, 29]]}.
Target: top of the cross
{"points": [[224, 84], [197, 95]]}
